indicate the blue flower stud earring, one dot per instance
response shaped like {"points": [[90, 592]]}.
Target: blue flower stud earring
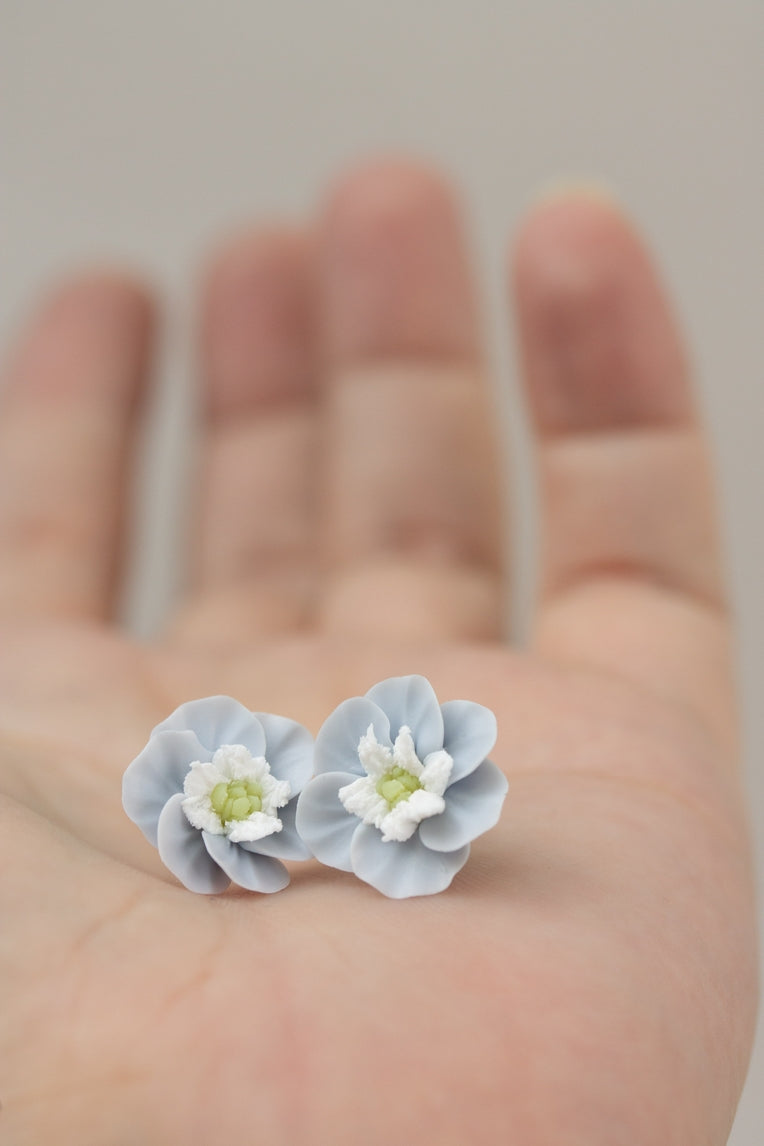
{"points": [[402, 787], [215, 790]]}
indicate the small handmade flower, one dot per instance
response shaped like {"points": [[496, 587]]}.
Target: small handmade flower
{"points": [[402, 787], [215, 790]]}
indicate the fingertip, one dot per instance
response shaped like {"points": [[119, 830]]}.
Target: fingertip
{"points": [[258, 318], [600, 343], [101, 314], [573, 235], [395, 263], [263, 250], [386, 189], [107, 297], [125, 286]]}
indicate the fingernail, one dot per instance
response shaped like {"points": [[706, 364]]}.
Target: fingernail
{"points": [[575, 187]]}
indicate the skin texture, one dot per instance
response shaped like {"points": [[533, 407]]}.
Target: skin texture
{"points": [[589, 978]]}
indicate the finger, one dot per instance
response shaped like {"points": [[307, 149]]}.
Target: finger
{"points": [[631, 576], [413, 534], [67, 417], [254, 552]]}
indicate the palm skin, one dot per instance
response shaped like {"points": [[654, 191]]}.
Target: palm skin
{"points": [[589, 976]]}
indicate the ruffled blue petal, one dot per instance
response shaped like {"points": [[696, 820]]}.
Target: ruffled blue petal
{"points": [[473, 805], [400, 870], [247, 869], [411, 700], [288, 749], [337, 741], [218, 720], [182, 850], [283, 845], [469, 735], [323, 822], [156, 774]]}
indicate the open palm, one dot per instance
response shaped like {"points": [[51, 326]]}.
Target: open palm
{"points": [[589, 976]]}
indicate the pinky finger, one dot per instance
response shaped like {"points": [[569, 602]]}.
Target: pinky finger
{"points": [[67, 410]]}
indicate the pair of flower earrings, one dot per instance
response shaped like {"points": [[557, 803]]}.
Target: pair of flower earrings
{"points": [[394, 789]]}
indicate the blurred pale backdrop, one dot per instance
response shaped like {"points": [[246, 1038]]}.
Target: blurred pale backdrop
{"points": [[138, 131]]}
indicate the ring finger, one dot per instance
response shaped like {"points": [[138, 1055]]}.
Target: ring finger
{"points": [[254, 538]]}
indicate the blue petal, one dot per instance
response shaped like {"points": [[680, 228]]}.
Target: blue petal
{"points": [[288, 749], [218, 720], [403, 869], [182, 850], [337, 741], [473, 805], [156, 774], [255, 872], [283, 845], [411, 700], [470, 734], [324, 823]]}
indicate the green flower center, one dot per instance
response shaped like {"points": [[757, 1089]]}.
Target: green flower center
{"points": [[397, 785], [237, 799]]}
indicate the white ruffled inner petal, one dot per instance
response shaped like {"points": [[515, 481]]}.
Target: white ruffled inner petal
{"points": [[276, 793], [255, 827], [198, 784], [375, 757], [402, 821], [436, 772], [363, 800], [398, 820], [200, 814], [233, 763], [404, 754]]}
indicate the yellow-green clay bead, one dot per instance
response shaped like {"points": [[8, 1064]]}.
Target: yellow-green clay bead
{"points": [[392, 790], [218, 797], [397, 785], [240, 808]]}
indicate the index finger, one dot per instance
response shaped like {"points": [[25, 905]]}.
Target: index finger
{"points": [[631, 575]]}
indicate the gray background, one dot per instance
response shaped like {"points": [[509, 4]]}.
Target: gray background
{"points": [[140, 130]]}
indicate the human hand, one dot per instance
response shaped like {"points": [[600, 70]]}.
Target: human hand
{"points": [[589, 977]]}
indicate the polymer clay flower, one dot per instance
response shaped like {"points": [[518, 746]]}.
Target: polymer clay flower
{"points": [[402, 787], [215, 790]]}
